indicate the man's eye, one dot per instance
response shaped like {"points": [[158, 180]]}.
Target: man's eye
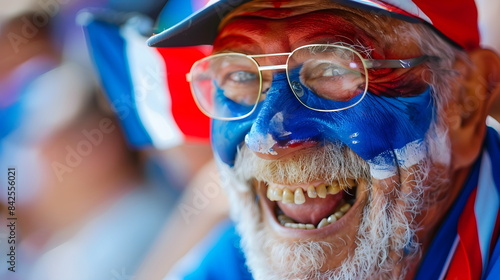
{"points": [[242, 76], [326, 70], [334, 71]]}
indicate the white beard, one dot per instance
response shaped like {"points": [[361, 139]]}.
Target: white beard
{"points": [[386, 240]]}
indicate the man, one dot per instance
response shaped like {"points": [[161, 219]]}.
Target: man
{"points": [[351, 136]]}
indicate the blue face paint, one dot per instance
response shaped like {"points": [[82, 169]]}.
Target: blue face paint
{"points": [[373, 129], [311, 99], [227, 107]]}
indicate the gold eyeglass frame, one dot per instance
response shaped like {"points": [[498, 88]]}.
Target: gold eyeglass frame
{"points": [[367, 64]]}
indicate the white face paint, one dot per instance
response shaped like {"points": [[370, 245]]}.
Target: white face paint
{"points": [[62, 87], [412, 153]]}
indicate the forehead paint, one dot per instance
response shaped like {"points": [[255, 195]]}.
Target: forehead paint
{"points": [[255, 33], [278, 3], [384, 131], [228, 135]]}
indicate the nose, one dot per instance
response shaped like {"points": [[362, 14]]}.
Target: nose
{"points": [[281, 127]]}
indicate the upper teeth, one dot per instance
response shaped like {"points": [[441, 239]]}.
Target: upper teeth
{"points": [[297, 196]]}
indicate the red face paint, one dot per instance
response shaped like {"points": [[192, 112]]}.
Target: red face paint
{"points": [[396, 82], [255, 33], [265, 32], [278, 3]]}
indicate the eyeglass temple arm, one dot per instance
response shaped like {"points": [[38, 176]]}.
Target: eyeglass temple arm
{"points": [[397, 63]]}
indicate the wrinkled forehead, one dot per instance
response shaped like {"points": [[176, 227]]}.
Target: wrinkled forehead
{"points": [[278, 9], [289, 24]]}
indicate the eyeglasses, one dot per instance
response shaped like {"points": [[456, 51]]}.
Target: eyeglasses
{"points": [[325, 78]]}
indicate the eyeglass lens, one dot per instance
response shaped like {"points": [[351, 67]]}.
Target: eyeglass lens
{"points": [[327, 77], [322, 77], [226, 86]]}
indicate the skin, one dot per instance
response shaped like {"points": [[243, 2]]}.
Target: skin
{"points": [[261, 30]]}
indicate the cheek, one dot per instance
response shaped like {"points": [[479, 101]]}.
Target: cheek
{"points": [[372, 128], [379, 129], [387, 132], [379, 124], [227, 136], [397, 82]]}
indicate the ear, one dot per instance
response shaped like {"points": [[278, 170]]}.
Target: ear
{"points": [[473, 95]]}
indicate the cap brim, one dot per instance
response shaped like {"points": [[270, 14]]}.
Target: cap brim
{"points": [[201, 28]]}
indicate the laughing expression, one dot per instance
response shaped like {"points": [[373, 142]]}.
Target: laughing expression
{"points": [[345, 181]]}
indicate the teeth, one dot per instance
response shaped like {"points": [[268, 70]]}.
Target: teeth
{"points": [[298, 196], [321, 190], [344, 208], [332, 219], [300, 226], [311, 192], [274, 194], [284, 219], [323, 223], [348, 183], [290, 223], [287, 196], [269, 194], [339, 214], [310, 226], [278, 194], [333, 189]]}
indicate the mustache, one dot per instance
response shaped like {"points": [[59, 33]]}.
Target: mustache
{"points": [[329, 162]]}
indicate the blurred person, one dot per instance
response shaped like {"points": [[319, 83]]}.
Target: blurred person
{"points": [[85, 209], [23, 68], [352, 137], [145, 88], [99, 211], [32, 77]]}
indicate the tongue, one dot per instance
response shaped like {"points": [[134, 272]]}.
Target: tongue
{"points": [[313, 210]]}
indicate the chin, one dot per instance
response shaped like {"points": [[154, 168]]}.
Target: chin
{"points": [[320, 214]]}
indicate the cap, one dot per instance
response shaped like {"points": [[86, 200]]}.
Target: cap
{"points": [[455, 20]]}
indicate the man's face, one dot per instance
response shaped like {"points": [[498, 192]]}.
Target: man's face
{"points": [[322, 194]]}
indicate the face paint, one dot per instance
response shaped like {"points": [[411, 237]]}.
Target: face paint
{"points": [[228, 135], [381, 130]]}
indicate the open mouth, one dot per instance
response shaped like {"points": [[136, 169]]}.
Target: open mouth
{"points": [[311, 206]]}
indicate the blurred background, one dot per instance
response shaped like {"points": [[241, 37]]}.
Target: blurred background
{"points": [[114, 173], [108, 181]]}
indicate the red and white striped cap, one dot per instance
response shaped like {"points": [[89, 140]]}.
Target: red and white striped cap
{"points": [[455, 20]]}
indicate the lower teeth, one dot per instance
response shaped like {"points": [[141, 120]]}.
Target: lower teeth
{"points": [[299, 226], [290, 223]]}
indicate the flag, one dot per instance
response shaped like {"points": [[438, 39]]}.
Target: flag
{"points": [[146, 87]]}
